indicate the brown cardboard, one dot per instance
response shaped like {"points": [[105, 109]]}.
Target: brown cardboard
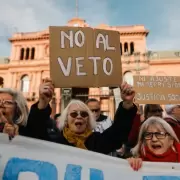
{"points": [[86, 51], [157, 89]]}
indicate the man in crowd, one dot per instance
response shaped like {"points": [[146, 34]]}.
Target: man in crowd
{"points": [[103, 122], [173, 117]]}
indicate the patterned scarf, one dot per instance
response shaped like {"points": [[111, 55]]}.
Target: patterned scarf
{"points": [[77, 139]]}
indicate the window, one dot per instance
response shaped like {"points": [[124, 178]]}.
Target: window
{"points": [[131, 48], [32, 53], [25, 84], [126, 47], [27, 53], [22, 54], [128, 77], [121, 48], [1, 82]]}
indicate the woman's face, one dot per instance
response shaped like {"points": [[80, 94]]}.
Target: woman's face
{"points": [[7, 107], [157, 139], [77, 119]]}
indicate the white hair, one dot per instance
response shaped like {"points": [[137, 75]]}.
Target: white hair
{"points": [[62, 120], [152, 121], [169, 108], [22, 112]]}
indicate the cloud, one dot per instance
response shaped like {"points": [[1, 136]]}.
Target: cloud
{"points": [[36, 15], [167, 37]]}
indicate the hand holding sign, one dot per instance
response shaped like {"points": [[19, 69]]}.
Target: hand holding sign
{"points": [[135, 163], [46, 92], [8, 126], [127, 95], [11, 129]]}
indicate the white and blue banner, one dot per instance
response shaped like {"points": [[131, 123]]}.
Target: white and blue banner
{"points": [[30, 159]]}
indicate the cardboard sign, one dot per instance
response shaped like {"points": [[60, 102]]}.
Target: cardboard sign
{"points": [[157, 89], [31, 159], [84, 57]]}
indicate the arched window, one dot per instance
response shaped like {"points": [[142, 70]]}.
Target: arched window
{"points": [[1, 82], [27, 53], [22, 54], [25, 84], [131, 48], [126, 47], [32, 53], [128, 77], [121, 48]]}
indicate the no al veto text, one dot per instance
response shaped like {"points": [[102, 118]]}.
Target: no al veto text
{"points": [[78, 39]]}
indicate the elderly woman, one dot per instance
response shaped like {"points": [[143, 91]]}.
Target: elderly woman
{"points": [[76, 124], [15, 118], [13, 112], [157, 142], [173, 117]]}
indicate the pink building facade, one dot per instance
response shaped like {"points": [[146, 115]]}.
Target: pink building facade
{"points": [[28, 64]]}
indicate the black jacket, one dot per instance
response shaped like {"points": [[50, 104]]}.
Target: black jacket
{"points": [[40, 126]]}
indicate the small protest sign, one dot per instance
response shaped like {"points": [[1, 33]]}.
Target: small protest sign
{"points": [[157, 89], [84, 57]]}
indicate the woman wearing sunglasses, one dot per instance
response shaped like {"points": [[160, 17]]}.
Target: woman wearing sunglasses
{"points": [[157, 142], [76, 124]]}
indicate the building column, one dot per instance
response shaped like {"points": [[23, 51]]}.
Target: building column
{"points": [[14, 80], [122, 48], [17, 53], [37, 82], [32, 83]]}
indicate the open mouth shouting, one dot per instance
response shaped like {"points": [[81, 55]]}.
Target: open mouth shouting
{"points": [[156, 146], [78, 124]]}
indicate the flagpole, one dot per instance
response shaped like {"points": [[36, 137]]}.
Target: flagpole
{"points": [[76, 8]]}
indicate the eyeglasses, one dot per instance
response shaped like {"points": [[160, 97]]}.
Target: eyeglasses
{"points": [[159, 135], [95, 110], [83, 114], [7, 103]]}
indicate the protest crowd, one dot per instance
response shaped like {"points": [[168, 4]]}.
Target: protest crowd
{"points": [[81, 125]]}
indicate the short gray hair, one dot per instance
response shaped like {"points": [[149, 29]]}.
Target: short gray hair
{"points": [[151, 121], [62, 120], [21, 103]]}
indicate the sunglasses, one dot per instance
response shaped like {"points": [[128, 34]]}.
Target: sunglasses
{"points": [[95, 110], [83, 114]]}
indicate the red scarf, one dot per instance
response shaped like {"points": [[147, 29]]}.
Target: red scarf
{"points": [[168, 156]]}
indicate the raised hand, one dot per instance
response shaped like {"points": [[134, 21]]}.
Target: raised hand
{"points": [[127, 92], [46, 91]]}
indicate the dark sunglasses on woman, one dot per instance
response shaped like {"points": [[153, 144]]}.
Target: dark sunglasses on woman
{"points": [[83, 114]]}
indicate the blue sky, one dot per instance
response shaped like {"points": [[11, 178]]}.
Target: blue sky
{"points": [[160, 17]]}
